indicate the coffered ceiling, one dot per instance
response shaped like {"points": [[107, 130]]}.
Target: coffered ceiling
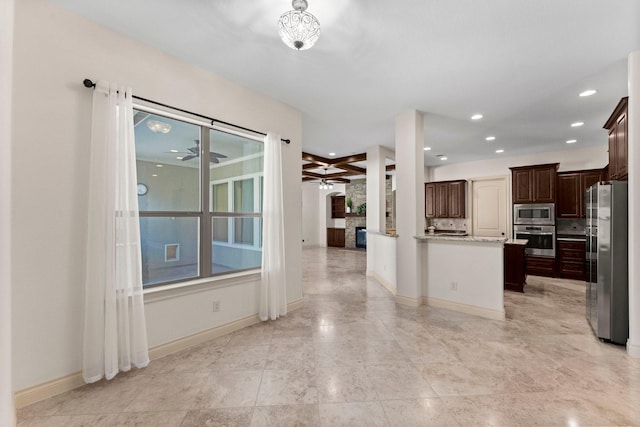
{"points": [[520, 63]]}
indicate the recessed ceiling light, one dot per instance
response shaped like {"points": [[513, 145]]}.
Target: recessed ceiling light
{"points": [[588, 92], [178, 158], [173, 151], [490, 138], [499, 151], [332, 154], [155, 174], [443, 158], [576, 124], [158, 166], [571, 141], [427, 148], [477, 117]]}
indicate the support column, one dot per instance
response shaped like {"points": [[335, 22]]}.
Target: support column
{"points": [[375, 199], [633, 344], [7, 409], [410, 206]]}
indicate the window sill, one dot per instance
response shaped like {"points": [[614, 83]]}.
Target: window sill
{"points": [[160, 293]]}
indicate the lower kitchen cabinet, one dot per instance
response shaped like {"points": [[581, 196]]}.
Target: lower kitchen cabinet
{"points": [[571, 260], [515, 267], [335, 237], [541, 266]]}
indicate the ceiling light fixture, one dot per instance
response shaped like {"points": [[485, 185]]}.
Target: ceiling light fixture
{"points": [[500, 151], [174, 151], [443, 158], [299, 29], [477, 117], [324, 184], [332, 154], [576, 124], [158, 166], [427, 148], [490, 138], [158, 126], [571, 141], [588, 92]]}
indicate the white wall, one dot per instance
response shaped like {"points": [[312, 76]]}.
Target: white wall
{"points": [[382, 250], [54, 51], [577, 159], [7, 413], [316, 213], [311, 214]]}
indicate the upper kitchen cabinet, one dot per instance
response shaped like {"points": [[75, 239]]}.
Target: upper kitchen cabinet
{"points": [[571, 188], [445, 199], [618, 141], [534, 184]]}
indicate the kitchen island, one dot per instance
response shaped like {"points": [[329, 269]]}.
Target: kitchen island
{"points": [[464, 273]]}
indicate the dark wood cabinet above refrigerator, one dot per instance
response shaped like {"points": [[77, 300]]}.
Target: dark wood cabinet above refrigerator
{"points": [[571, 187], [617, 125]]}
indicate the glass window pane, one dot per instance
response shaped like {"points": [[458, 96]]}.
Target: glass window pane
{"points": [[169, 249], [220, 229], [241, 254], [168, 163], [236, 159], [243, 196], [220, 197]]}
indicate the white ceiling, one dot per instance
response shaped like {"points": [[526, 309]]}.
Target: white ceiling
{"points": [[521, 63]]}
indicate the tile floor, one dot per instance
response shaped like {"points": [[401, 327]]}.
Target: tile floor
{"points": [[351, 357]]}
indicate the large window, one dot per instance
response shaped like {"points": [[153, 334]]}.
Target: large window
{"points": [[200, 199]]}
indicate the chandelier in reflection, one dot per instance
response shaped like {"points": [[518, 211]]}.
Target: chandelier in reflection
{"points": [[298, 28]]}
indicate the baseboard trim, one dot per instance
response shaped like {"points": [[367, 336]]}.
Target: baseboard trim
{"points": [[465, 308], [56, 386], [385, 283], [408, 301], [633, 349]]}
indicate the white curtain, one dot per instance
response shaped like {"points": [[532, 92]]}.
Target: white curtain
{"points": [[273, 295], [115, 336]]}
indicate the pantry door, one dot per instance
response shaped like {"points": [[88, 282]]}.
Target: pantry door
{"points": [[489, 207]]}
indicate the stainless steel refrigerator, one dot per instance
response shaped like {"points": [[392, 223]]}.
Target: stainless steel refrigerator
{"points": [[607, 260]]}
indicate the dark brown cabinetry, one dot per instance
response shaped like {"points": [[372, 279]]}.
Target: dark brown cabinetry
{"points": [[571, 188], [617, 125], [515, 267], [335, 237], [337, 207], [571, 260], [541, 266], [445, 199], [534, 184]]}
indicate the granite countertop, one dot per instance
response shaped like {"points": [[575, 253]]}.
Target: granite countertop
{"points": [[426, 237], [516, 242], [382, 233]]}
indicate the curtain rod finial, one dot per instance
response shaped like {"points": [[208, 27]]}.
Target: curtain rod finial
{"points": [[88, 83]]}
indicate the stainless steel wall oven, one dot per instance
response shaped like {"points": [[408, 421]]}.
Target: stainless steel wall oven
{"points": [[542, 239]]}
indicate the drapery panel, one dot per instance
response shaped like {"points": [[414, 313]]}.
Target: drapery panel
{"points": [[273, 295], [115, 336]]}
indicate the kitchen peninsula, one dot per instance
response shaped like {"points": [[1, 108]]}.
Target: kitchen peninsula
{"points": [[464, 273]]}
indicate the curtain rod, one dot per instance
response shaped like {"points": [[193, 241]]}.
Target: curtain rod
{"points": [[90, 84]]}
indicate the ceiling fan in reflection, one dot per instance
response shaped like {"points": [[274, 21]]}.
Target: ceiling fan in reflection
{"points": [[195, 153]]}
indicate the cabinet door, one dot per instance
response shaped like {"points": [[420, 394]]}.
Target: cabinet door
{"points": [[430, 200], [522, 186], [613, 152], [569, 196], [621, 146], [544, 180], [442, 200], [457, 199]]}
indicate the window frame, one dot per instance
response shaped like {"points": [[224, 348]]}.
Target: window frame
{"points": [[205, 215]]}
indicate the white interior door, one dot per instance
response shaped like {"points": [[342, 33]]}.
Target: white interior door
{"points": [[489, 207]]}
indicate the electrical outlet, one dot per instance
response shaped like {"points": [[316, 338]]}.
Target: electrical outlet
{"points": [[454, 286], [216, 306]]}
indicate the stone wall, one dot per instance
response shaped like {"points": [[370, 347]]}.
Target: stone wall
{"points": [[357, 191]]}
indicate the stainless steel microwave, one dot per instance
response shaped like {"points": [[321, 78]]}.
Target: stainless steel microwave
{"points": [[538, 214]]}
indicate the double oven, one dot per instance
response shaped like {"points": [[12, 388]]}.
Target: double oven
{"points": [[537, 224]]}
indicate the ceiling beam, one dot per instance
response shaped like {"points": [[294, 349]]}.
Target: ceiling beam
{"points": [[390, 168], [330, 175], [333, 163]]}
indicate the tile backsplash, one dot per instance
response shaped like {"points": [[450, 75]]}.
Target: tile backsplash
{"points": [[447, 223]]}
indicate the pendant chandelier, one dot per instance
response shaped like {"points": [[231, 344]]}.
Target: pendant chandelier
{"points": [[299, 29], [326, 185]]}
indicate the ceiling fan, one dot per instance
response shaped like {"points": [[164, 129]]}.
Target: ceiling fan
{"points": [[195, 152]]}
